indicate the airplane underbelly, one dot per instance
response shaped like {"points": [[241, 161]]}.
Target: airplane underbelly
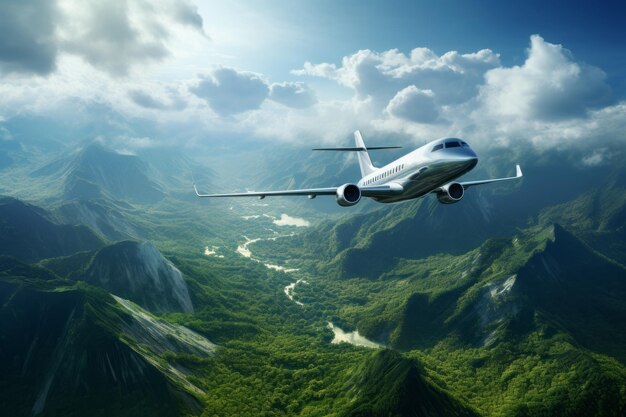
{"points": [[430, 179]]}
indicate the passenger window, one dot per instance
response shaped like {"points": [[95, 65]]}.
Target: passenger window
{"points": [[437, 147]]}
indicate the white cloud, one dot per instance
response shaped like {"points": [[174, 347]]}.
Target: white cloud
{"points": [[168, 98], [297, 95], [548, 86], [550, 101], [596, 158], [453, 77], [229, 91], [112, 36], [414, 105], [116, 35]]}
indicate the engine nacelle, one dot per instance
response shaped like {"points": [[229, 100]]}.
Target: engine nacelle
{"points": [[348, 195], [450, 193]]}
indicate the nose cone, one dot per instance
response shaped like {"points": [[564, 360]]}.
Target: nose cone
{"points": [[467, 156], [469, 152], [457, 161], [471, 161], [461, 155]]}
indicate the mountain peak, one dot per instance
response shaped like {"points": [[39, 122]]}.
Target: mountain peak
{"points": [[137, 271], [28, 233], [391, 385]]}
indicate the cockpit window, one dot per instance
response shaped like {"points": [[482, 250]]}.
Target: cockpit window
{"points": [[464, 144], [452, 144], [437, 147]]}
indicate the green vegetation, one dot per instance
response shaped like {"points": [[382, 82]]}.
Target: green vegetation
{"points": [[521, 315]]}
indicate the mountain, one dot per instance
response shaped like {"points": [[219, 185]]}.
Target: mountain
{"points": [[13, 267], [509, 287], [68, 349], [10, 150], [575, 289], [390, 385], [522, 326], [598, 217], [27, 233], [99, 215], [371, 243], [96, 172], [137, 271]]}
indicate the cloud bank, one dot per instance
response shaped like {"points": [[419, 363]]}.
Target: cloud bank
{"points": [[548, 86], [229, 92], [296, 95], [27, 37], [550, 101], [112, 36]]}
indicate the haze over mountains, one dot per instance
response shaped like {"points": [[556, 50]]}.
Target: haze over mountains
{"points": [[511, 284]]}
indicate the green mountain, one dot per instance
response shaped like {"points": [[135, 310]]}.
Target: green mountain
{"points": [[68, 349], [559, 282], [95, 172], [371, 243], [390, 385], [137, 271], [507, 304], [28, 233], [598, 217], [574, 289], [101, 216]]}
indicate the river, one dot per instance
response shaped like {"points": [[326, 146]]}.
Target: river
{"points": [[340, 336]]}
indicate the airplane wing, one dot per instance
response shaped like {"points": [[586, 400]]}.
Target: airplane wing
{"points": [[262, 194], [518, 174]]}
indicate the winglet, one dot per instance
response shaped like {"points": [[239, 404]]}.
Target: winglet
{"points": [[196, 189], [518, 171]]}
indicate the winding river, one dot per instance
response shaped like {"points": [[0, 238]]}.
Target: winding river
{"points": [[340, 336]]}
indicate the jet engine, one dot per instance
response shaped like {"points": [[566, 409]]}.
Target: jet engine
{"points": [[348, 195], [450, 193]]}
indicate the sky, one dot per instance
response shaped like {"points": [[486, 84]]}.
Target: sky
{"points": [[140, 73]]}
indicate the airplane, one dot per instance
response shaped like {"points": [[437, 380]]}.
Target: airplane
{"points": [[429, 169]]}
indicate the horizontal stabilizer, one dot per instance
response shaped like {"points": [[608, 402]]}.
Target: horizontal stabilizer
{"points": [[369, 148]]}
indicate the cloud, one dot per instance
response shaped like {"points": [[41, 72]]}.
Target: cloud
{"points": [[229, 91], [297, 95], [596, 158], [162, 100], [5, 135], [414, 105], [551, 101], [548, 86], [452, 77], [27, 41], [114, 36]]}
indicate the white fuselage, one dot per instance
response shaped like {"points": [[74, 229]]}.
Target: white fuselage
{"points": [[432, 168], [424, 170]]}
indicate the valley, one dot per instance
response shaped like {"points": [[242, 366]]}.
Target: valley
{"points": [[166, 305]]}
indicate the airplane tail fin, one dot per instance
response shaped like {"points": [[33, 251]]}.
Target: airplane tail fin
{"points": [[365, 163]]}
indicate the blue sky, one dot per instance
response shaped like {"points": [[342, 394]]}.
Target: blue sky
{"points": [[326, 30], [537, 74]]}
